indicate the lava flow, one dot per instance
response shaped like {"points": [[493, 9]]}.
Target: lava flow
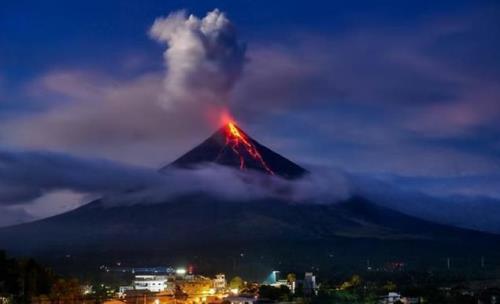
{"points": [[237, 140]]}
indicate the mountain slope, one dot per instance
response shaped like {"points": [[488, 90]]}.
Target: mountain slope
{"points": [[231, 146], [186, 219]]}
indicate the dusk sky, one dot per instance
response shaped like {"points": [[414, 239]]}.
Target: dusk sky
{"points": [[407, 92]]}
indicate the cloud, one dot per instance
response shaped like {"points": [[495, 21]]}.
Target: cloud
{"points": [[467, 207], [47, 204], [204, 58], [150, 118], [473, 186], [25, 176], [124, 116], [12, 216], [225, 183], [41, 183]]}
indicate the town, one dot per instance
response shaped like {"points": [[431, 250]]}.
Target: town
{"points": [[158, 285], [181, 285], [26, 281]]}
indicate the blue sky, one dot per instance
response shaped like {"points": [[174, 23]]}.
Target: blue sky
{"points": [[403, 91]]}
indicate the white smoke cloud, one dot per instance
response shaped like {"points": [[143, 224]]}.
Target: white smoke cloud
{"points": [[203, 58]]}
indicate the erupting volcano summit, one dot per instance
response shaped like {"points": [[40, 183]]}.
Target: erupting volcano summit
{"points": [[231, 146]]}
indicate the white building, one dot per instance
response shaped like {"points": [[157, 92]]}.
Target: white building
{"points": [[390, 298], [153, 283], [240, 300], [220, 282], [122, 290]]}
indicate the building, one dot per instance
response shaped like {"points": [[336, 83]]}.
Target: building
{"points": [[310, 286], [196, 286], [122, 290], [390, 298], [153, 283], [290, 285], [220, 282], [240, 300], [410, 300]]}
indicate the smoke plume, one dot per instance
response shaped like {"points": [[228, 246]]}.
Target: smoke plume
{"points": [[204, 58]]}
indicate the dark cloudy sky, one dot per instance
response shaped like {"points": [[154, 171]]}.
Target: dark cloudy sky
{"points": [[403, 91]]}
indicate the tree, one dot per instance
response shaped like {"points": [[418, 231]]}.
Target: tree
{"points": [[100, 292], [353, 282], [66, 291], [344, 296], [236, 283], [390, 286], [180, 294], [23, 279], [274, 293]]}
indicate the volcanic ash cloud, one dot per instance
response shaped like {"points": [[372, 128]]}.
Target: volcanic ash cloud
{"points": [[204, 58]]}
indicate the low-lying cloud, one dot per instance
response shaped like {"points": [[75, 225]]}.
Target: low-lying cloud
{"points": [[32, 182], [27, 176], [229, 184]]}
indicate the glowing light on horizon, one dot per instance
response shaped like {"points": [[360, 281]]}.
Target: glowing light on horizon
{"points": [[180, 271]]}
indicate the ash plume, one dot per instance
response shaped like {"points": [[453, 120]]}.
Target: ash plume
{"points": [[204, 58]]}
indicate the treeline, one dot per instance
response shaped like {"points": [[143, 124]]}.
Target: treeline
{"points": [[26, 281]]}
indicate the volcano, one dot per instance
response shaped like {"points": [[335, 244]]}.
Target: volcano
{"points": [[217, 233], [231, 146]]}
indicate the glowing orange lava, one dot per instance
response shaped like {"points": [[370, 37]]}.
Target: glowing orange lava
{"points": [[237, 140]]}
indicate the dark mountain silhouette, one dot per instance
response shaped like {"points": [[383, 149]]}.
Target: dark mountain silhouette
{"points": [[231, 146], [206, 228]]}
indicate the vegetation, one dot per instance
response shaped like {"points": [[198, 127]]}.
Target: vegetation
{"points": [[236, 283], [281, 293], [23, 279], [426, 287], [26, 281]]}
